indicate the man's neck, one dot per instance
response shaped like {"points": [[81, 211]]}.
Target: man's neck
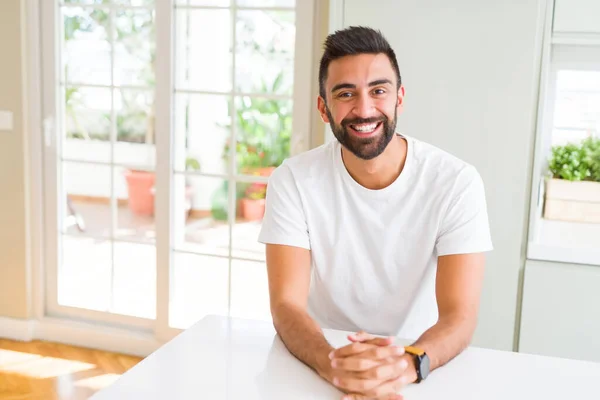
{"points": [[381, 171]]}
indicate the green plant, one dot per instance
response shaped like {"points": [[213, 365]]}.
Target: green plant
{"points": [[264, 129], [593, 150], [256, 191], [576, 162], [192, 164]]}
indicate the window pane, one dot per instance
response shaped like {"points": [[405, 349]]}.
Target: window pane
{"points": [[218, 3], [563, 136], [202, 129], [87, 124], [201, 207], [135, 128], [86, 205], [135, 48], [263, 134], [134, 2], [265, 52], [84, 275], [86, 53], [135, 191], [200, 287], [203, 50], [84, 2], [267, 3], [577, 105], [134, 291], [250, 211], [249, 290]]}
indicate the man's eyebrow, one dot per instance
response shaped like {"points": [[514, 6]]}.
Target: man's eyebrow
{"points": [[352, 86], [380, 82], [343, 86]]}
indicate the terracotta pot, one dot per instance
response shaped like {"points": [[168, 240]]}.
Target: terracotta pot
{"points": [[140, 188], [252, 210], [257, 171], [266, 171]]}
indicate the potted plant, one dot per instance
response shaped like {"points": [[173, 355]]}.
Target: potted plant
{"points": [[573, 187], [252, 205], [263, 137], [264, 131], [140, 188]]}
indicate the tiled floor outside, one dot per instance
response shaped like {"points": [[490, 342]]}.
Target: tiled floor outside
{"points": [[200, 282]]}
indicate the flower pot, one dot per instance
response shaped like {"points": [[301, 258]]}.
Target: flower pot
{"points": [[266, 171], [140, 189], [572, 201], [252, 210], [257, 171]]}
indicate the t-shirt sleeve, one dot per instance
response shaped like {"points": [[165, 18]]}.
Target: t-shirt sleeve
{"points": [[465, 227], [284, 221]]}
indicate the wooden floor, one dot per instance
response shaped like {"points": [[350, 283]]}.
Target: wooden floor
{"points": [[49, 371]]}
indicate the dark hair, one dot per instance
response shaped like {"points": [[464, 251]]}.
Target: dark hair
{"points": [[354, 40]]}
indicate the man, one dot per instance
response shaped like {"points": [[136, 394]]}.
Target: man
{"points": [[376, 232]]}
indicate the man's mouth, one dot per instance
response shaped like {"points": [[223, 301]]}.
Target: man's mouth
{"points": [[365, 129]]}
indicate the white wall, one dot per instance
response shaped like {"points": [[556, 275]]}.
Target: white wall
{"points": [[470, 69], [561, 310], [577, 16]]}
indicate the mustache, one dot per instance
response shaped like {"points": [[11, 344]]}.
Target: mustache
{"points": [[357, 121]]}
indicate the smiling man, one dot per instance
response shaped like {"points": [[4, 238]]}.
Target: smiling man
{"points": [[377, 233]]}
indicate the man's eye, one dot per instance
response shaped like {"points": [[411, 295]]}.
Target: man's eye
{"points": [[345, 94], [379, 91]]}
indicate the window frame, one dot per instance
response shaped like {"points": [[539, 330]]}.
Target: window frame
{"points": [[559, 51]]}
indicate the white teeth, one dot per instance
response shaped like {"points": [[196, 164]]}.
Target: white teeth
{"points": [[364, 128]]}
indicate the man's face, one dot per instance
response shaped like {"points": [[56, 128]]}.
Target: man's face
{"points": [[362, 103]]}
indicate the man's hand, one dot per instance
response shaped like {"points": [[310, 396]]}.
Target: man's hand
{"points": [[371, 368]]}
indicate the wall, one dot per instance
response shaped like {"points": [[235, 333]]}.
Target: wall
{"points": [[13, 242], [470, 69], [561, 305], [576, 16]]}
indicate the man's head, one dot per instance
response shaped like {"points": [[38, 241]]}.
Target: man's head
{"points": [[360, 90]]}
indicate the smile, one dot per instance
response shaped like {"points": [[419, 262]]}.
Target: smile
{"points": [[365, 129]]}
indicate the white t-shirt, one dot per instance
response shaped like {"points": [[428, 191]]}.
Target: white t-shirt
{"points": [[374, 252]]}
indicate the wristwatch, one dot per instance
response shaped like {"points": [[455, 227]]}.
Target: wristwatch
{"points": [[421, 362]]}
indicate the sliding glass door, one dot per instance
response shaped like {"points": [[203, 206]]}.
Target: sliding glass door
{"points": [[163, 121]]}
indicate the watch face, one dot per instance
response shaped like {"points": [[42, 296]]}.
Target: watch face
{"points": [[424, 366]]}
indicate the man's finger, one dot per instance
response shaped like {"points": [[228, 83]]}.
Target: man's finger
{"points": [[385, 371], [354, 364], [357, 361], [351, 349], [377, 341], [350, 384], [388, 387], [364, 336]]}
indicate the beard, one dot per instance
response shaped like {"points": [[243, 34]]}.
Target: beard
{"points": [[364, 148]]}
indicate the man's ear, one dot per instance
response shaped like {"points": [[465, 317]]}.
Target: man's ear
{"points": [[322, 107], [400, 96]]}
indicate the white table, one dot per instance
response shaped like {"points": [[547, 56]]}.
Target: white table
{"points": [[221, 358]]}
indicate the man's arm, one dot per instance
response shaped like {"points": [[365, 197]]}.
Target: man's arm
{"points": [[458, 289], [289, 281]]}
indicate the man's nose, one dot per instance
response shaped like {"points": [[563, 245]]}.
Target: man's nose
{"points": [[364, 107]]}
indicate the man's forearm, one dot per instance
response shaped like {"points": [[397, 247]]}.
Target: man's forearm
{"points": [[446, 339], [303, 337]]}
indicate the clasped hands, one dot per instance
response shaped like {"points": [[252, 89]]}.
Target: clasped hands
{"points": [[370, 368]]}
